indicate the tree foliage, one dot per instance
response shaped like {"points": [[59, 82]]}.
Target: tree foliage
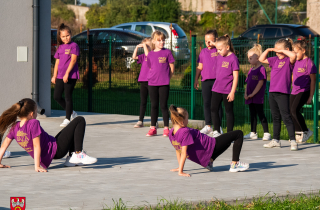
{"points": [[164, 11]]}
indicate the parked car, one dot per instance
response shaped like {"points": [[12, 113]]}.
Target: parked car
{"points": [[180, 47], [268, 34], [123, 42]]}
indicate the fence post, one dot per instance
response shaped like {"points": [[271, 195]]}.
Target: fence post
{"points": [[110, 59], [193, 72], [90, 75], [316, 94]]}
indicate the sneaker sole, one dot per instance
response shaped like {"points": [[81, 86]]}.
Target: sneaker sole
{"points": [[238, 170], [266, 139], [138, 126], [151, 135]]}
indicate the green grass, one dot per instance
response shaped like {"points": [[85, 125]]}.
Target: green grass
{"points": [[303, 202]]}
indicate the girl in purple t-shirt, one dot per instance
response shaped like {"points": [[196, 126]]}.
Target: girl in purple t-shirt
{"points": [[224, 88], [42, 147], [200, 148], [161, 64], [279, 92], [207, 60], [66, 71], [303, 88], [143, 77], [254, 93]]}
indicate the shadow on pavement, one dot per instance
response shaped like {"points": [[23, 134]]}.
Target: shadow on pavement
{"points": [[117, 122], [18, 154], [110, 162]]}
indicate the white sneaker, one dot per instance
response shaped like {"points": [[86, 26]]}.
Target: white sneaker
{"points": [[251, 135], [64, 123], [299, 137], [266, 137], [272, 144], [206, 130], [6, 154], [215, 134], [68, 164], [83, 158], [139, 124], [239, 166], [74, 115], [294, 146]]}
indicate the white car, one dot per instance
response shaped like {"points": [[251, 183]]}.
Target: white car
{"points": [[179, 46]]}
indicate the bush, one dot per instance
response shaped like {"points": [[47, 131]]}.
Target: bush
{"points": [[186, 80]]}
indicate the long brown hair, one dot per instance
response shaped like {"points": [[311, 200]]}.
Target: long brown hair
{"points": [[302, 45], [62, 27], [178, 114], [21, 109], [227, 41]]}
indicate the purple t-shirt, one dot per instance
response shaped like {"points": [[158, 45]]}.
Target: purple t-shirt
{"points": [[280, 77], [24, 136], [224, 73], [254, 76], [208, 59], [143, 76], [158, 63], [200, 146], [301, 75], [64, 55]]}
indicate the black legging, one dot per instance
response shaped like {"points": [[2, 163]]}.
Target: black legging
{"points": [[143, 99], [159, 93], [66, 103], [296, 103], [279, 106], [206, 95], [216, 100], [70, 139], [224, 141], [254, 110]]}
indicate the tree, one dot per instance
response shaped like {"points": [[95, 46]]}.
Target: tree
{"points": [[164, 11], [64, 2]]}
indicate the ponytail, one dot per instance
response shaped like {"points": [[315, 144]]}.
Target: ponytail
{"points": [[257, 49], [61, 27], [227, 41], [178, 114], [287, 42], [21, 109]]}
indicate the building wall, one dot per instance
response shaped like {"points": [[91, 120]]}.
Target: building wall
{"points": [[313, 9], [80, 12], [198, 5], [17, 30]]}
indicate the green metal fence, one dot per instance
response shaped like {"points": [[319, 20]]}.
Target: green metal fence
{"points": [[108, 83]]}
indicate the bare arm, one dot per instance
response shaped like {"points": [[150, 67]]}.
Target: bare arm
{"points": [[178, 158], [134, 56], [312, 87], [234, 86], [256, 90], [290, 54], [55, 72], [198, 72], [37, 154], [263, 56], [172, 69], [245, 93], [183, 158], [6, 143]]}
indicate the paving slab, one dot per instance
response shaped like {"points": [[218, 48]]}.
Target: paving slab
{"points": [[136, 169]]}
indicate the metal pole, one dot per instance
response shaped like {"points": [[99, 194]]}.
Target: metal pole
{"points": [[316, 93], [90, 74], [264, 12], [247, 14], [276, 16], [193, 72], [110, 57]]}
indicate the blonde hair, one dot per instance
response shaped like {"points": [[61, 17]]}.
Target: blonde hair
{"points": [[227, 41], [148, 39], [257, 49], [158, 34], [178, 114], [287, 43]]}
